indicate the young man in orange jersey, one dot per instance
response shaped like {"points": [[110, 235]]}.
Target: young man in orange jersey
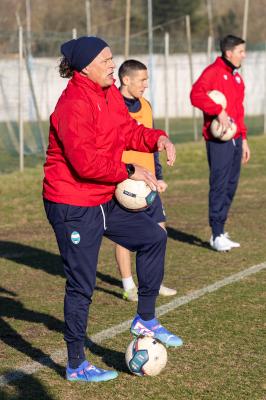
{"points": [[133, 77]]}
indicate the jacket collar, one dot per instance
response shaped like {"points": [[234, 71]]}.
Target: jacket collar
{"points": [[232, 66], [133, 105], [87, 83], [225, 65]]}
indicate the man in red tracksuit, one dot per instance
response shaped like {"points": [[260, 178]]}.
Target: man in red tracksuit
{"points": [[224, 157], [89, 130]]}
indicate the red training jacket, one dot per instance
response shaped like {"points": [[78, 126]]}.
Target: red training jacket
{"points": [[89, 129], [219, 76]]}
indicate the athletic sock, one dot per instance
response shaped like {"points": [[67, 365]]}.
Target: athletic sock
{"points": [[147, 316], [128, 283], [216, 234]]}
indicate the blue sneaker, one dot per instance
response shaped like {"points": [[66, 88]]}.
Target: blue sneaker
{"points": [[153, 328], [87, 372]]}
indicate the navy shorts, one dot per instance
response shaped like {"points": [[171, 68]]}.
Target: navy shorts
{"points": [[156, 210]]}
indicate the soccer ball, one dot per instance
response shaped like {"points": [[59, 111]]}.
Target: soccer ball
{"points": [[218, 132], [146, 356], [134, 195], [218, 98]]}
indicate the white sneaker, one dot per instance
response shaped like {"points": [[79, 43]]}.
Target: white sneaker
{"points": [[131, 294], [166, 291], [227, 237], [232, 243], [221, 243]]}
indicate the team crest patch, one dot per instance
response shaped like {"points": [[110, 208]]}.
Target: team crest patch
{"points": [[225, 77], [238, 79], [75, 237]]}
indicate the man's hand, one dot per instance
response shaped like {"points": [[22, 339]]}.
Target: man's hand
{"points": [[162, 186], [164, 143], [245, 151], [143, 174], [224, 120]]}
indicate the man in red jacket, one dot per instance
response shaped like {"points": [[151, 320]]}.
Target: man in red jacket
{"points": [[89, 130], [224, 157]]}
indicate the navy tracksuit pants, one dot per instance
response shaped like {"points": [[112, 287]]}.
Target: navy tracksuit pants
{"points": [[79, 232], [224, 160]]}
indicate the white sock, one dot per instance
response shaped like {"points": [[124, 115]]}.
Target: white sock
{"points": [[128, 283]]}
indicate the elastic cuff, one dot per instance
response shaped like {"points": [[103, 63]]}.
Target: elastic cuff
{"points": [[76, 354], [146, 307]]}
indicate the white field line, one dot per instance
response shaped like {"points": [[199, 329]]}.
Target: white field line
{"points": [[60, 355]]}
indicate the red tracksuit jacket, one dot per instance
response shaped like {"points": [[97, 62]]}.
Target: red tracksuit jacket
{"points": [[219, 76], [89, 129]]}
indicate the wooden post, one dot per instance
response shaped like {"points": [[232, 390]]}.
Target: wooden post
{"points": [[88, 17], [35, 103], [211, 31], [74, 33], [209, 49], [20, 101], [264, 105], [28, 24], [188, 31], [150, 36], [127, 29], [166, 78], [245, 20]]}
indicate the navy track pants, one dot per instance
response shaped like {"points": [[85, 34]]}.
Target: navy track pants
{"points": [[79, 232], [224, 160]]}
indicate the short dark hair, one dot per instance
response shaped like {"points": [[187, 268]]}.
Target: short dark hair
{"points": [[229, 42], [128, 67]]}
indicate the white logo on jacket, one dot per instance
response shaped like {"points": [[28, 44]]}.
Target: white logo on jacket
{"points": [[225, 77], [238, 79]]}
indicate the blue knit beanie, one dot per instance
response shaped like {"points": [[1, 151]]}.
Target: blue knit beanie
{"points": [[82, 51]]}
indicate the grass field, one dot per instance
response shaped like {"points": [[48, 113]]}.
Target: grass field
{"points": [[223, 357]]}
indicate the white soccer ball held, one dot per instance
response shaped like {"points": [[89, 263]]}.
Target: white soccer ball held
{"points": [[218, 98], [218, 131], [134, 195]]}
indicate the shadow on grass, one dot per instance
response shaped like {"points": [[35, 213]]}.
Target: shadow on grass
{"points": [[186, 238], [48, 262], [114, 359], [13, 308], [26, 388]]}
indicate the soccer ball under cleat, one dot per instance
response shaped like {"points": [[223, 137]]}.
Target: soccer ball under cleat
{"points": [[146, 356]]}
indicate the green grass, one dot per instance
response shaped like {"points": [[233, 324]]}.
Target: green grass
{"points": [[224, 332]]}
